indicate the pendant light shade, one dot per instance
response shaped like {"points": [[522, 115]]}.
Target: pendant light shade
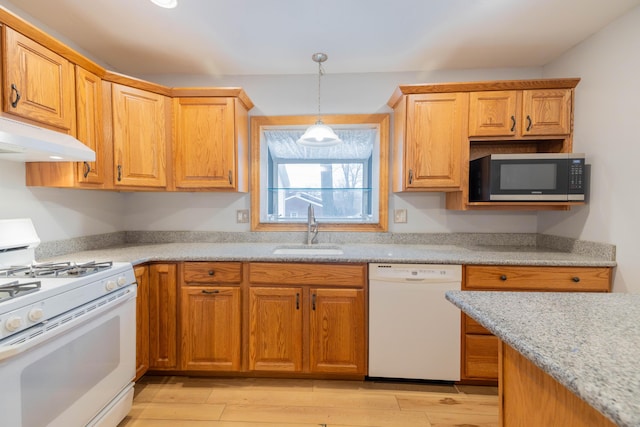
{"points": [[167, 4], [319, 134]]}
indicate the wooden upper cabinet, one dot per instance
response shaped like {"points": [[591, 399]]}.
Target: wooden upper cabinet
{"points": [[430, 131], [140, 137], [546, 112], [207, 135], [38, 83], [526, 113], [90, 129], [493, 113]]}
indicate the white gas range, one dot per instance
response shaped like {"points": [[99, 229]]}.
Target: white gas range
{"points": [[67, 336]]}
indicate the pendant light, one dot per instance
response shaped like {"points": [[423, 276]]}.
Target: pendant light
{"points": [[319, 134], [167, 4]]}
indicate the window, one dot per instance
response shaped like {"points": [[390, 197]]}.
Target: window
{"points": [[346, 184]]}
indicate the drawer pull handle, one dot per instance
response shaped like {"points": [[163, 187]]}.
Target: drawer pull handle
{"points": [[211, 272], [503, 277], [297, 301], [529, 123], [210, 292], [513, 123], [410, 176], [313, 302], [87, 169], [575, 279]]}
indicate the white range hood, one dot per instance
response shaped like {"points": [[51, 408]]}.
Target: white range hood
{"points": [[22, 142]]}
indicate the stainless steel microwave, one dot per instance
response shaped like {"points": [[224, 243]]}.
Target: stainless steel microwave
{"points": [[531, 177]]}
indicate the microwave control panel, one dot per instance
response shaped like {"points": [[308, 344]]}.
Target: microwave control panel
{"points": [[576, 175]]}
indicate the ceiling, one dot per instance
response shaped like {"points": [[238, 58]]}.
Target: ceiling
{"points": [[254, 37]]}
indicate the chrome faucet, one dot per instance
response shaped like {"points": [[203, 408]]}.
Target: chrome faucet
{"points": [[312, 226]]}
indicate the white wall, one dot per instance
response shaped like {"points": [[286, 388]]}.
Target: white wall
{"points": [[607, 114], [341, 94], [58, 213]]}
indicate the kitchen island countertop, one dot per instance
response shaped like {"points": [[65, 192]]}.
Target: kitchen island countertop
{"points": [[588, 342]]}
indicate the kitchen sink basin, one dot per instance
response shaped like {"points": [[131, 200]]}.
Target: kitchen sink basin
{"points": [[308, 250]]}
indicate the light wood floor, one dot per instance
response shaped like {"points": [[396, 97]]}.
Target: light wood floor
{"points": [[249, 402]]}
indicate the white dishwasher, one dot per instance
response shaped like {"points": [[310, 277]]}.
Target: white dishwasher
{"points": [[414, 332]]}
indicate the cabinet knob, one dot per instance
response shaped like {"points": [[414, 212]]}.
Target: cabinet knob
{"points": [[575, 279], [503, 277], [211, 272]]}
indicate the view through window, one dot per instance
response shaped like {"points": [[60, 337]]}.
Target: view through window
{"points": [[341, 182]]}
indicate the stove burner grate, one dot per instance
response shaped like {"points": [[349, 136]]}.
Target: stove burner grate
{"points": [[56, 269], [16, 289]]}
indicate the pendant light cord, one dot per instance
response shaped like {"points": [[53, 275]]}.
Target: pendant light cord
{"points": [[319, 77]]}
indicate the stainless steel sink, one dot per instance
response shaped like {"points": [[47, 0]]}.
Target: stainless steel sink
{"points": [[308, 250]]}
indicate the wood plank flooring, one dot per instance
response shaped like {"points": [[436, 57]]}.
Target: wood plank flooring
{"points": [[163, 401]]}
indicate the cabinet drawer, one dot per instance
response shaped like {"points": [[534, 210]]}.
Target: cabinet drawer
{"points": [[481, 359], [473, 327], [577, 279], [307, 274], [212, 272]]}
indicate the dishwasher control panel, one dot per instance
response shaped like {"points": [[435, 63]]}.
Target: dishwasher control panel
{"points": [[415, 272]]}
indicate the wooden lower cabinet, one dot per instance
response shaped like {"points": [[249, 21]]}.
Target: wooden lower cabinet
{"points": [[531, 397], [163, 316], [275, 329], [307, 318], [337, 336], [210, 328], [142, 320], [479, 361]]}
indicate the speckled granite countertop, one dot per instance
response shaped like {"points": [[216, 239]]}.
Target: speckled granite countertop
{"points": [[398, 253], [588, 342]]}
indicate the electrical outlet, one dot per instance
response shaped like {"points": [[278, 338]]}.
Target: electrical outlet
{"points": [[242, 216], [400, 216]]}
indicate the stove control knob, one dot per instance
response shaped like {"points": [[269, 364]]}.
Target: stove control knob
{"points": [[13, 323], [111, 285], [36, 314], [122, 281]]}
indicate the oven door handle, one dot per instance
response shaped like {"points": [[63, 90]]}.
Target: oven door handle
{"points": [[52, 328]]}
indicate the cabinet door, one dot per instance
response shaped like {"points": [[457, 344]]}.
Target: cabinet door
{"points": [[139, 137], [38, 83], [493, 113], [204, 149], [275, 329], [436, 131], [142, 320], [546, 112], [90, 127], [162, 316], [210, 328], [481, 357], [337, 336]]}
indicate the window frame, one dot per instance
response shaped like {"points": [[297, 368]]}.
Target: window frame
{"points": [[381, 121]]}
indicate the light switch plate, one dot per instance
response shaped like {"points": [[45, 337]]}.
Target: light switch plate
{"points": [[400, 216], [242, 216]]}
